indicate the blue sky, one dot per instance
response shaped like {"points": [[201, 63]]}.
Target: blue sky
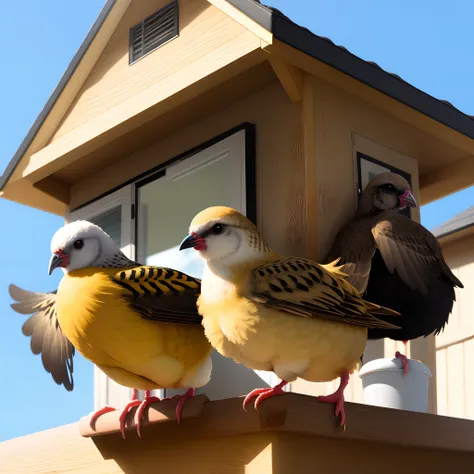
{"points": [[425, 42]]}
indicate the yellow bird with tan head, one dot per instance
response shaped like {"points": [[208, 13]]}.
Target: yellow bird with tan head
{"points": [[288, 315]]}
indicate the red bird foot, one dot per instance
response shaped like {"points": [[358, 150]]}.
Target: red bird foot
{"points": [[134, 402], [404, 361], [338, 398], [147, 401], [263, 394]]}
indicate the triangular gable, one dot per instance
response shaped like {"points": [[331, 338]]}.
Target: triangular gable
{"points": [[101, 90]]}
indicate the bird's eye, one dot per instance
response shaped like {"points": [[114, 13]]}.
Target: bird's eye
{"points": [[217, 229], [389, 188], [78, 244]]}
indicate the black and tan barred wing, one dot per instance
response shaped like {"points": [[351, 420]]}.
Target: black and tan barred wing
{"points": [[161, 294], [305, 288], [46, 335]]}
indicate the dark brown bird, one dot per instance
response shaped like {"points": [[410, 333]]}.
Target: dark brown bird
{"points": [[396, 262]]}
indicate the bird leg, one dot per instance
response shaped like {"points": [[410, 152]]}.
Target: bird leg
{"points": [[338, 398], [403, 359], [264, 393]]}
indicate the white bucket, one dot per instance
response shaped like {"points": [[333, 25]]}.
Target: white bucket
{"points": [[385, 385]]}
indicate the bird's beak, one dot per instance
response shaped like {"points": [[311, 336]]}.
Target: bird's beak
{"points": [[59, 259], [194, 241], [407, 199]]}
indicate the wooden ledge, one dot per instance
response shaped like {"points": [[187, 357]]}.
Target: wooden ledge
{"points": [[291, 414]]}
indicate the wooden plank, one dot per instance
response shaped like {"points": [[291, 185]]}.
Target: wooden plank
{"points": [[301, 414]]}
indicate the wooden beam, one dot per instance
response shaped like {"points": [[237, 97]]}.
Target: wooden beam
{"points": [[55, 188], [243, 19], [309, 153], [447, 180], [290, 78]]}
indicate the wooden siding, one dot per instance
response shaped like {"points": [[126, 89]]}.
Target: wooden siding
{"points": [[203, 30], [455, 345]]}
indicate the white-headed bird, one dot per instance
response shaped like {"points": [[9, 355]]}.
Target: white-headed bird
{"points": [[396, 262], [138, 324], [288, 315]]}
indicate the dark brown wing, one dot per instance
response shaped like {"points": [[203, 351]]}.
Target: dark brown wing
{"points": [[161, 294], [304, 288], [46, 335], [412, 251], [355, 246]]}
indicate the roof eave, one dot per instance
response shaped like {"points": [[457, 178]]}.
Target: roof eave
{"points": [[30, 136], [342, 60]]}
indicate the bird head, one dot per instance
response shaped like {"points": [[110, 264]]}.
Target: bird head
{"points": [[223, 235], [387, 191], [80, 244]]}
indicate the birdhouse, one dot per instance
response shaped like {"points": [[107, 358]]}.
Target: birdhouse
{"points": [[169, 107]]}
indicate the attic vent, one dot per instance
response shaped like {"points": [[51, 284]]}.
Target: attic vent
{"points": [[154, 31]]}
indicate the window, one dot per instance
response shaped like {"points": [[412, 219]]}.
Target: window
{"points": [[154, 31], [149, 218]]}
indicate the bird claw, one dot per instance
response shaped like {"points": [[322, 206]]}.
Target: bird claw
{"points": [[338, 399], [100, 412], [262, 394], [125, 413], [142, 406], [182, 399], [403, 358], [141, 411]]}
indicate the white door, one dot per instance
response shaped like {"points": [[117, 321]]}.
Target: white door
{"points": [[166, 206], [113, 213]]}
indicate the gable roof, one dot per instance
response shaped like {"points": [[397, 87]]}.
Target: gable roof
{"points": [[459, 222], [300, 38]]}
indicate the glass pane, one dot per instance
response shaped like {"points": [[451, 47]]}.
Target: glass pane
{"points": [[167, 206], [111, 222]]}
